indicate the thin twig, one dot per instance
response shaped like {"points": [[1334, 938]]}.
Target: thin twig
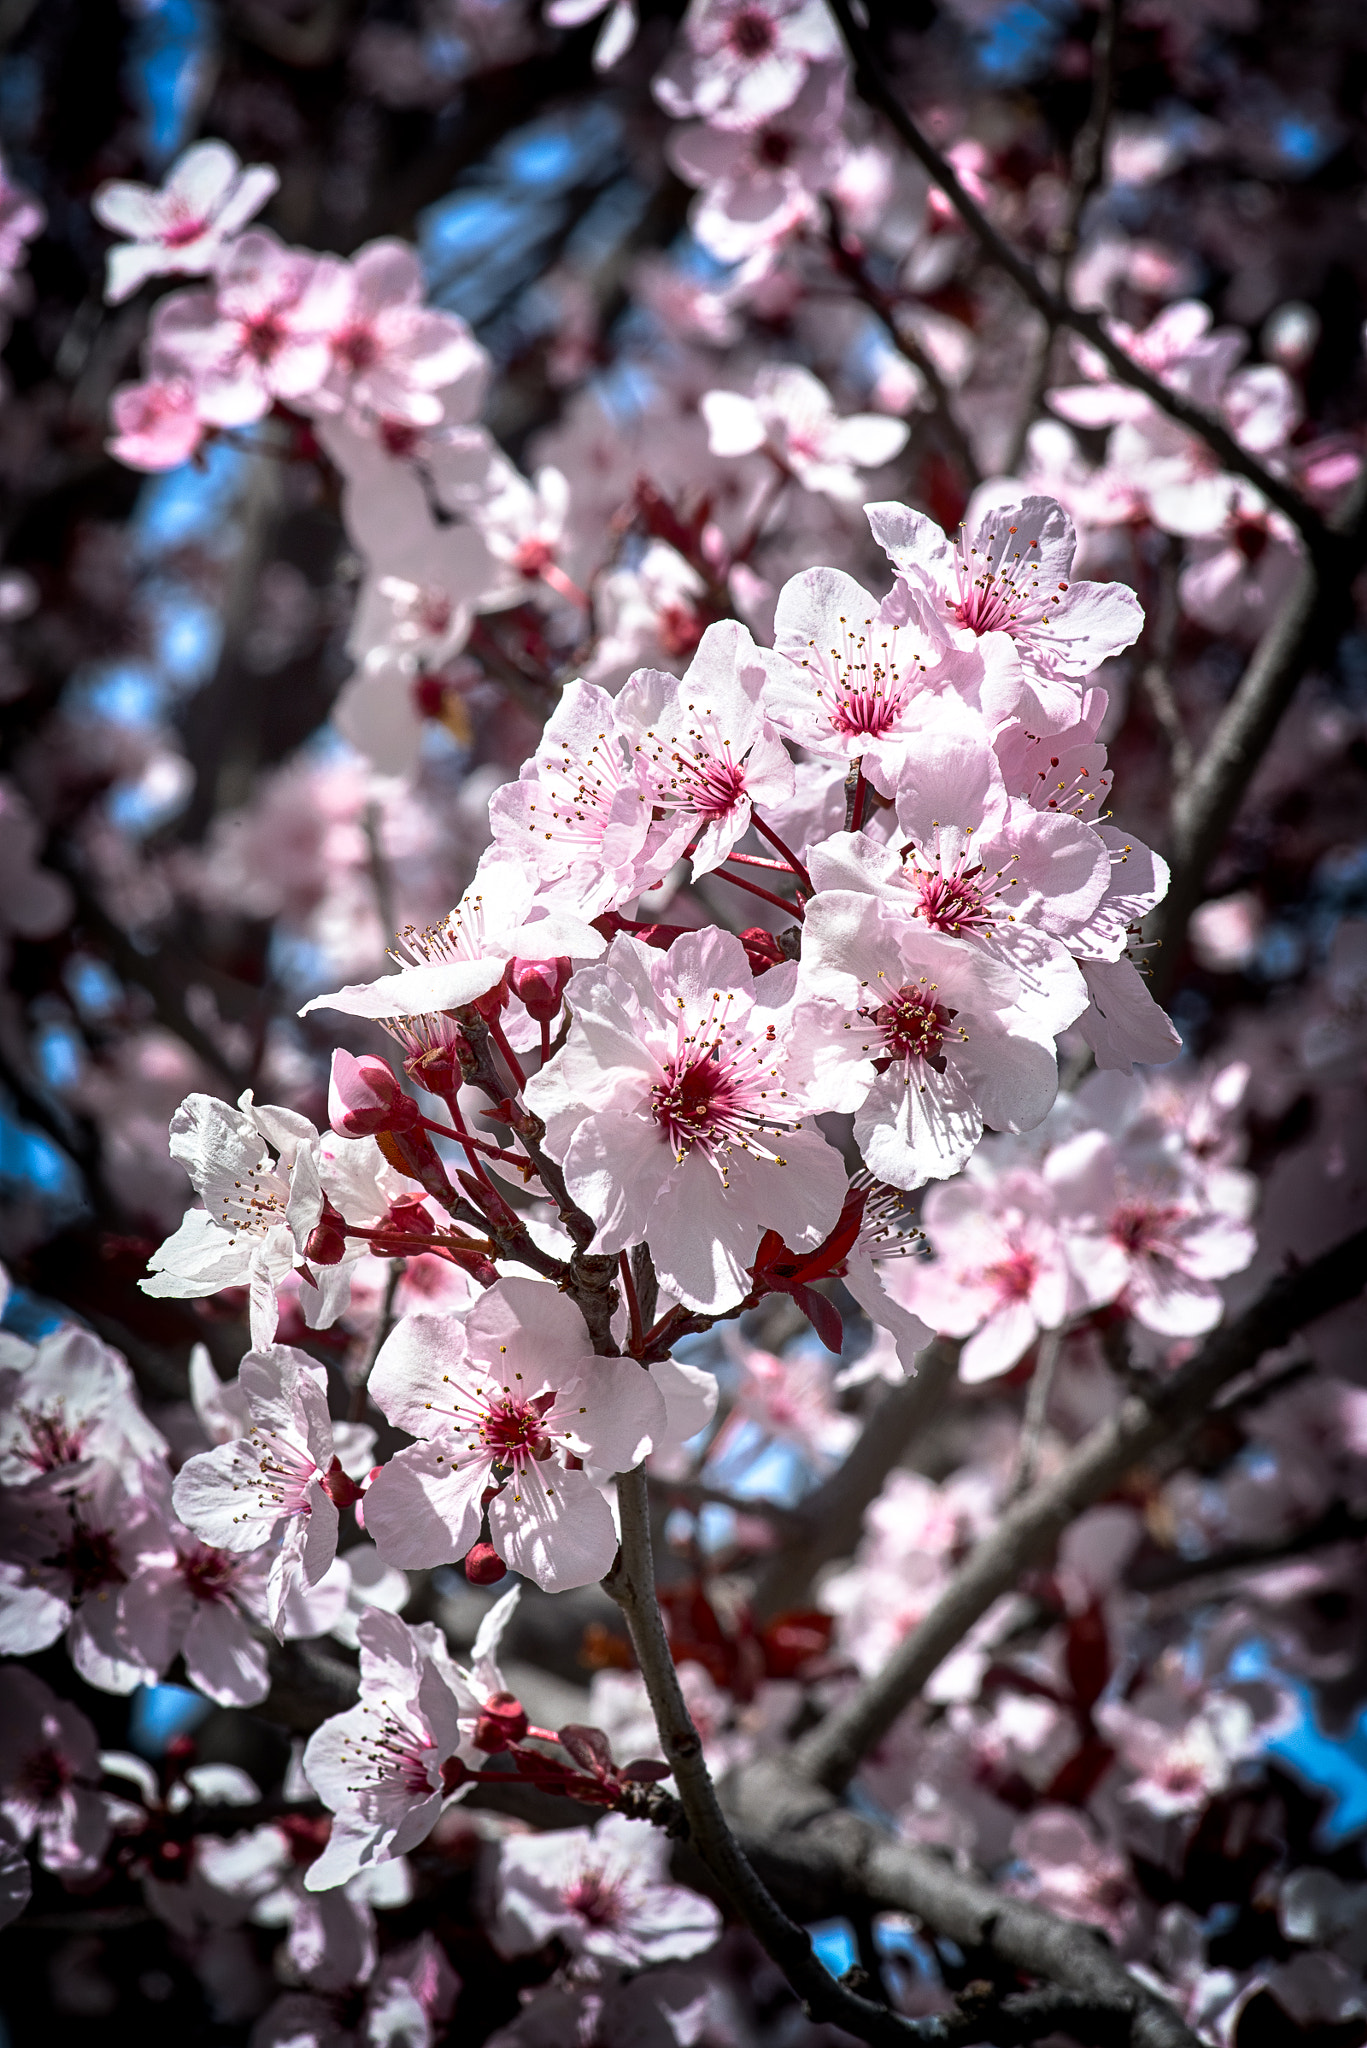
{"points": [[1036, 1414], [871, 79], [1085, 168], [1027, 1532], [632, 1585]]}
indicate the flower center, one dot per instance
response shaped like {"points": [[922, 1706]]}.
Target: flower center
{"points": [[208, 1574], [89, 1556], [399, 438], [775, 149], [254, 1205], [533, 558], [357, 348], [391, 1753], [595, 1898], [513, 1431], [951, 903], [264, 337], [44, 1775], [864, 693], [679, 629], [52, 1443], [1013, 1276], [999, 590], [1144, 1227], [914, 1025], [752, 34], [183, 229]]}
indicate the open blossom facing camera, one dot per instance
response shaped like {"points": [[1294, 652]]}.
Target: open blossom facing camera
{"points": [[508, 1403], [185, 227], [680, 1110]]}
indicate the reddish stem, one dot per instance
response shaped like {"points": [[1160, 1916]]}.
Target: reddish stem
{"points": [[768, 832], [753, 889], [514, 1064]]}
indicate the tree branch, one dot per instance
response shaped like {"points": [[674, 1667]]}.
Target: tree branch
{"points": [[1028, 1532], [821, 1857], [1058, 311], [631, 1584]]}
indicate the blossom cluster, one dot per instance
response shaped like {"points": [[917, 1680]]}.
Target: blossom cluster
{"points": [[597, 516]]}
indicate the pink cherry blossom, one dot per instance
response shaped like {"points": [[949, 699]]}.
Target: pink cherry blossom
{"points": [[184, 228], [48, 1761], [739, 61], [707, 753], [760, 184], [285, 1469], [157, 423], [391, 355], [508, 1400], [199, 1605], [602, 1891], [844, 684], [792, 419], [677, 1110], [1007, 588], [379, 1765], [258, 336], [1000, 1275], [937, 1033], [70, 1401], [579, 817]]}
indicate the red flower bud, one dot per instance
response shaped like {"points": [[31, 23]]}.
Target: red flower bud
{"points": [[340, 1488], [502, 1721], [364, 1097], [484, 1566], [540, 984]]}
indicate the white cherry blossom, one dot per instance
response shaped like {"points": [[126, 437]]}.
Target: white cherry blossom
{"points": [[790, 415], [602, 1891]]}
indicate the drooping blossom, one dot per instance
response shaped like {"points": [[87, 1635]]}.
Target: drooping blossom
{"points": [[499, 919], [604, 1892], [184, 227], [679, 1109], [285, 1469], [790, 417], [379, 1766], [708, 754], [49, 1762], [510, 1400], [263, 1174]]}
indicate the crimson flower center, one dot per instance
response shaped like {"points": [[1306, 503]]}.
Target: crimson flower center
{"points": [[357, 347], [185, 228], [264, 337], [514, 1430], [595, 1898], [752, 34], [44, 1775], [914, 1025], [951, 903], [1144, 1226], [1013, 1276]]}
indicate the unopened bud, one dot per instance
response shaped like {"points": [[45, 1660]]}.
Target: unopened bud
{"points": [[539, 985], [484, 1566], [364, 1097], [340, 1488], [326, 1243], [502, 1721]]}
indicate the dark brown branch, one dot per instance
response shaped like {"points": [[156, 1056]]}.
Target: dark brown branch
{"points": [[1205, 805], [1028, 1531], [871, 79], [821, 1857]]}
